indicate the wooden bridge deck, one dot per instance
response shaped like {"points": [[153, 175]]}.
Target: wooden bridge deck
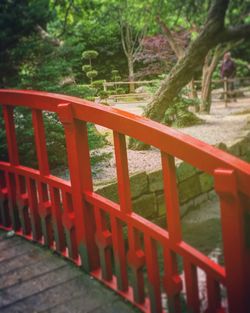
{"points": [[34, 280]]}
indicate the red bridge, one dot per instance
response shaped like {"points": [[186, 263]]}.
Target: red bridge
{"points": [[72, 219]]}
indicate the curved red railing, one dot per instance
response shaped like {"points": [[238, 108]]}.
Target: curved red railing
{"points": [[72, 219]]}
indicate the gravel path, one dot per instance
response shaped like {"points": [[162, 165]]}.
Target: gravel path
{"points": [[222, 125]]}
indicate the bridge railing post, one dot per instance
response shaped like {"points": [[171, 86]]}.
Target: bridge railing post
{"points": [[8, 113], [81, 180], [236, 253]]}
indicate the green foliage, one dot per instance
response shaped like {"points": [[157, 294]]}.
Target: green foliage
{"points": [[86, 68], [178, 114], [55, 140], [92, 74], [90, 54], [120, 91], [114, 73], [103, 94]]}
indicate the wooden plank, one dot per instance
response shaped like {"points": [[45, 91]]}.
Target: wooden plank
{"points": [[35, 285], [31, 271], [13, 252], [27, 259]]}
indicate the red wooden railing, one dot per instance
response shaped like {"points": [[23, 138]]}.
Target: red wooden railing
{"points": [[72, 219]]}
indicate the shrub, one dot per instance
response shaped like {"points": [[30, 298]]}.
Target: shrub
{"points": [[178, 114], [92, 74], [86, 68], [90, 54]]}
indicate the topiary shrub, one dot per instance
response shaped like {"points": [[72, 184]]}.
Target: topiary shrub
{"points": [[178, 114], [90, 54]]}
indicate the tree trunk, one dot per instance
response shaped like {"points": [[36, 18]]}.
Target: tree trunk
{"points": [[131, 73], [207, 72], [212, 34]]}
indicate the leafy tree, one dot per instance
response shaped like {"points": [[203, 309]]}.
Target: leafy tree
{"points": [[216, 30]]}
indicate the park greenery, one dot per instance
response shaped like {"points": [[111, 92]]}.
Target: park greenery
{"points": [[72, 46]]}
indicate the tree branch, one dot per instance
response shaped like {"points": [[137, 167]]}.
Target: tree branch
{"points": [[46, 36], [235, 33], [71, 2], [179, 52]]}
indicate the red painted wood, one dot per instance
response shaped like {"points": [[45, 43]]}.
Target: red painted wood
{"points": [[122, 172], [171, 197], [192, 290], [41, 150], [10, 134], [34, 210], [119, 253], [236, 253], [56, 211], [80, 175], [68, 220], [70, 217], [136, 260]]}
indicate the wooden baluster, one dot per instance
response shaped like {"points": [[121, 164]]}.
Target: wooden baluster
{"points": [[81, 180], [213, 295], [234, 232], [69, 225], [45, 214], [104, 242], [192, 289], [23, 204], [154, 284], [14, 161], [57, 219], [34, 210], [172, 280], [136, 260], [119, 254], [122, 172], [43, 165], [4, 211], [125, 206], [40, 141]]}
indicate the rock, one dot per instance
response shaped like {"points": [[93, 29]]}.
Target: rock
{"points": [[155, 180], [185, 171], [138, 184], [109, 191], [145, 205], [189, 189], [141, 89], [206, 182]]}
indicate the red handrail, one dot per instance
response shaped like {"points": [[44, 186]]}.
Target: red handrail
{"points": [[32, 202]]}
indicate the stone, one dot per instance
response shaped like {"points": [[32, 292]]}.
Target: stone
{"points": [[155, 181], [222, 146], [145, 205], [189, 189], [160, 200], [200, 199], [186, 207], [109, 191], [185, 171], [212, 195], [246, 157], [138, 184], [206, 182], [245, 146], [235, 148]]}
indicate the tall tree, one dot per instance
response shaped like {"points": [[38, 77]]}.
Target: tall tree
{"points": [[18, 19], [214, 32]]}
